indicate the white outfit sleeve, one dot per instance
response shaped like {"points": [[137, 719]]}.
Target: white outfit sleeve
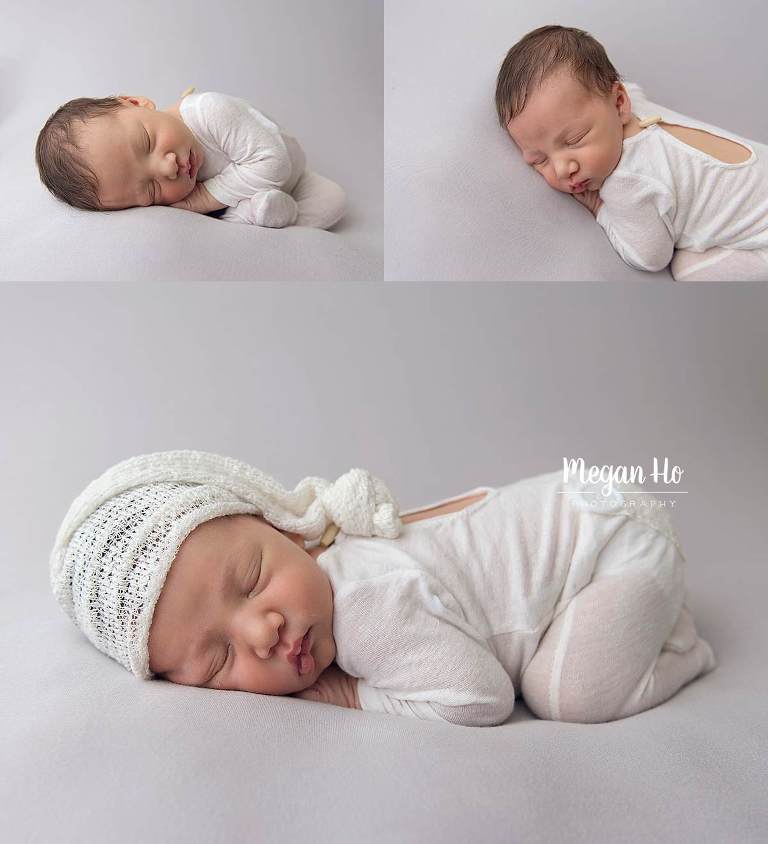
{"points": [[636, 215], [408, 642], [258, 156]]}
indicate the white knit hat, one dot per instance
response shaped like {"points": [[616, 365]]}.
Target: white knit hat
{"points": [[121, 534]]}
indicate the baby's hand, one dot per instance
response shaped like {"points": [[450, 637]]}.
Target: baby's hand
{"points": [[333, 686], [589, 199], [199, 200]]}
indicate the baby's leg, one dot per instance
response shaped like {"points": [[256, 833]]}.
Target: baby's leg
{"points": [[720, 264], [321, 202], [622, 645]]}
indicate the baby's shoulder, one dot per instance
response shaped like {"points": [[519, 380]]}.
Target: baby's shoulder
{"points": [[215, 100], [225, 110]]}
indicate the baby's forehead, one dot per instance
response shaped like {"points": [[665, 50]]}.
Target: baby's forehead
{"points": [[223, 533], [554, 105], [111, 124]]}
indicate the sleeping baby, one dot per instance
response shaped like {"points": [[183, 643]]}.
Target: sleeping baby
{"points": [[201, 570], [206, 153], [664, 187]]}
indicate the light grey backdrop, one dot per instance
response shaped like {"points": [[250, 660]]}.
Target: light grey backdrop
{"points": [[459, 201], [437, 388], [315, 67]]}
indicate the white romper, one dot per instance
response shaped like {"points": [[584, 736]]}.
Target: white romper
{"points": [[665, 194], [441, 622], [248, 156]]}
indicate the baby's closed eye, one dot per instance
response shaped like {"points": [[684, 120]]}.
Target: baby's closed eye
{"points": [[577, 140]]}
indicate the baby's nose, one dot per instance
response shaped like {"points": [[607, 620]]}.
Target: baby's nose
{"points": [[173, 166]]}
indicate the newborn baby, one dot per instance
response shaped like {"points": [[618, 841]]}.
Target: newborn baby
{"points": [[204, 571], [655, 180], [206, 153]]}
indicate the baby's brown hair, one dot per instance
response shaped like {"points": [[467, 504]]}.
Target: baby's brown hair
{"points": [[60, 161], [541, 52]]}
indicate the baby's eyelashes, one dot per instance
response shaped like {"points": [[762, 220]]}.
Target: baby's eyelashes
{"points": [[577, 141], [567, 143]]}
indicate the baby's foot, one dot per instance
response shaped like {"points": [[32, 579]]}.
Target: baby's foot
{"points": [[683, 636], [710, 660], [274, 209]]}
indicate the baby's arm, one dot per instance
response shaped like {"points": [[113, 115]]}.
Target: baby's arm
{"points": [[258, 158], [636, 214], [419, 657], [333, 686]]}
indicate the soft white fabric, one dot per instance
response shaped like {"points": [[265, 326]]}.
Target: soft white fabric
{"points": [[720, 264], [248, 159], [320, 201], [122, 533], [273, 208], [626, 642], [665, 194], [442, 622]]}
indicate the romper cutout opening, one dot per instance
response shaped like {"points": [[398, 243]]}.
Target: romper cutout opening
{"points": [[442, 509], [723, 149]]}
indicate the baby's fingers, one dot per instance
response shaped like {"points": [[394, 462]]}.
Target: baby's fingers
{"points": [[310, 693], [590, 199]]}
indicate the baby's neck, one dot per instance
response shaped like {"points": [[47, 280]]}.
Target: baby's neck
{"points": [[632, 128], [316, 551]]}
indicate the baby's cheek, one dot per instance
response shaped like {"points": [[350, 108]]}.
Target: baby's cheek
{"points": [[552, 182], [607, 158]]}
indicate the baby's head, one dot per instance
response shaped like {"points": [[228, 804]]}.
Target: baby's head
{"points": [[193, 566], [117, 152], [562, 102], [190, 582]]}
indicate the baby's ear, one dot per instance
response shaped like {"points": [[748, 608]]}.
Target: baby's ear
{"points": [[144, 102], [618, 88]]}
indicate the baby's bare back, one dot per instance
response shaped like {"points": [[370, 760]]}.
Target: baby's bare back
{"points": [[723, 149]]}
